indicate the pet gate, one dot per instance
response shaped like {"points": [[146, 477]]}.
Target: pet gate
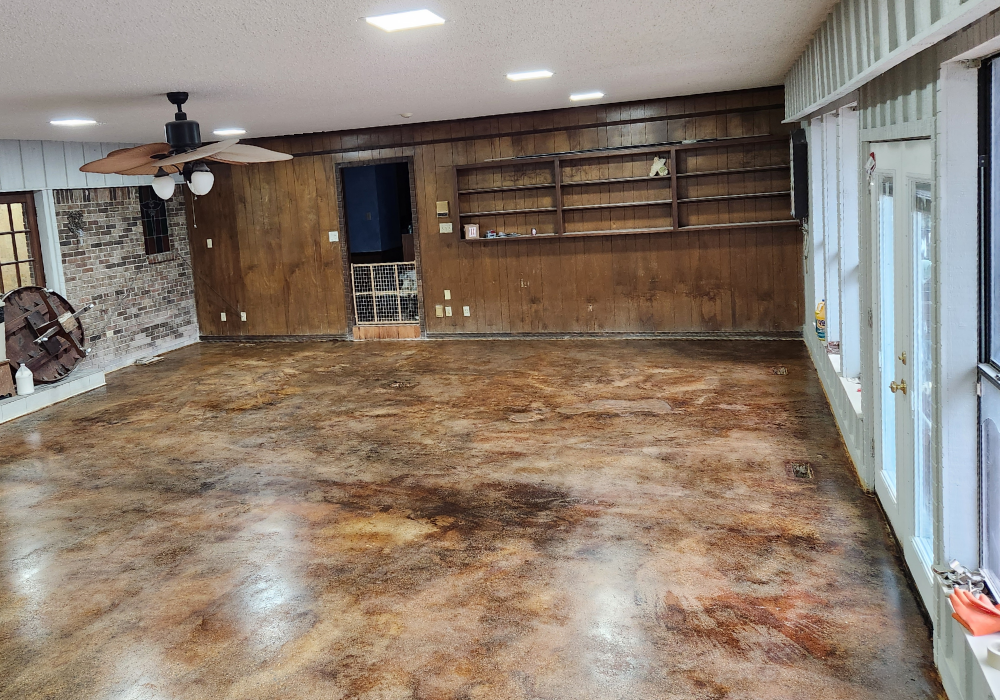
{"points": [[385, 293]]}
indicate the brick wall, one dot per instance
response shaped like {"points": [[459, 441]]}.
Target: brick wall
{"points": [[145, 304]]}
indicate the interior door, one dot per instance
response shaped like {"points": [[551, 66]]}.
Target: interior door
{"points": [[902, 202]]}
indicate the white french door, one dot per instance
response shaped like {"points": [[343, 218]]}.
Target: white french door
{"points": [[902, 202]]}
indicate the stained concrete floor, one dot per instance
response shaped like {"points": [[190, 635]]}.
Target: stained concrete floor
{"points": [[531, 520]]}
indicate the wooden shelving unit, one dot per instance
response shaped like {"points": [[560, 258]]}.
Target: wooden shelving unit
{"points": [[609, 192]]}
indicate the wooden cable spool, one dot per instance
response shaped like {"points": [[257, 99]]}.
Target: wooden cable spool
{"points": [[44, 333]]}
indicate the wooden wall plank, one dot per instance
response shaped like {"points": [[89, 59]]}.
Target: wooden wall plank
{"points": [[291, 278]]}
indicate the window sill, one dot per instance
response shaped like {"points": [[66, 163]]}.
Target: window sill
{"points": [[161, 258], [964, 669]]}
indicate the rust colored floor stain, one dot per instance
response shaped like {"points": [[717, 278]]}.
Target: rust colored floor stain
{"points": [[523, 520]]}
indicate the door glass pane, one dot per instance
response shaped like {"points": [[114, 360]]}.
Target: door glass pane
{"points": [[923, 362], [887, 323], [17, 216], [4, 218], [990, 459]]}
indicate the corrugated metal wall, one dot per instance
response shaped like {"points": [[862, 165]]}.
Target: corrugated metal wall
{"points": [[862, 38], [48, 165]]}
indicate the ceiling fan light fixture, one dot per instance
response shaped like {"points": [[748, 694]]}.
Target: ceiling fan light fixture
{"points": [[405, 20], [163, 184], [200, 179]]}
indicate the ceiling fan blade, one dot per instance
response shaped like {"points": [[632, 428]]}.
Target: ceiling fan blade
{"points": [[245, 153], [126, 159], [198, 153], [151, 169]]}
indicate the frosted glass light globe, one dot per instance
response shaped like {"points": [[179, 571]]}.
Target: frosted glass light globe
{"points": [[163, 185], [201, 182]]}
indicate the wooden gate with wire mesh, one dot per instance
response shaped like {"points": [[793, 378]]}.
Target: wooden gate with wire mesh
{"points": [[385, 294], [20, 251]]}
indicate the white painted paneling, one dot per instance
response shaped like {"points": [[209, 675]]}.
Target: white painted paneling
{"points": [[889, 32], [33, 165], [11, 174], [55, 165]]}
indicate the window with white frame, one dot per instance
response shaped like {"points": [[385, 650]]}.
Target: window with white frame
{"points": [[833, 223]]}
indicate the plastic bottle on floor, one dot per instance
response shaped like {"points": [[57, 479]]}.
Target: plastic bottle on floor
{"points": [[25, 381]]}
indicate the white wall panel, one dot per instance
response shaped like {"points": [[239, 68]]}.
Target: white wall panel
{"points": [[862, 39], [55, 165]]}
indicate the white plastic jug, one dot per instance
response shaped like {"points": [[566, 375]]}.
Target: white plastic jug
{"points": [[25, 381]]}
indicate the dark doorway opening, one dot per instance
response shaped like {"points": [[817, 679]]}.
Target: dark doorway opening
{"points": [[378, 213]]}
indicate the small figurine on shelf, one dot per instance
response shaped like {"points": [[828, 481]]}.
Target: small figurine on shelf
{"points": [[491, 234], [659, 168], [534, 232]]}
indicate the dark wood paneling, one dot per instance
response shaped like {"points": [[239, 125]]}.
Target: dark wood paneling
{"points": [[271, 221]]}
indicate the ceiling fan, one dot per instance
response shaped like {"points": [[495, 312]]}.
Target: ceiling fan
{"points": [[183, 153]]}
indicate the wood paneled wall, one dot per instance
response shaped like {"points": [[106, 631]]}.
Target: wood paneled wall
{"points": [[271, 256]]}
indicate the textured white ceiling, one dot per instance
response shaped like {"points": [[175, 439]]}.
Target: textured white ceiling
{"points": [[292, 66]]}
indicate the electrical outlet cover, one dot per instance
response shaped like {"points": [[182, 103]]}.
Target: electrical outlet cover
{"points": [[447, 311], [223, 315], [466, 311], [243, 315], [209, 242], [334, 236], [439, 310], [447, 295]]}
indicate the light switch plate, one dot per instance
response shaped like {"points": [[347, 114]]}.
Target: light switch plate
{"points": [[466, 311], [439, 310], [209, 242], [447, 311], [442, 208], [447, 294], [447, 228], [334, 236], [243, 315], [223, 315]]}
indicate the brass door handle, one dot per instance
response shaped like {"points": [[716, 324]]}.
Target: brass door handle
{"points": [[902, 358], [894, 387]]}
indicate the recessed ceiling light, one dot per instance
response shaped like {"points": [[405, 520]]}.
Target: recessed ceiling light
{"points": [[529, 75], [586, 96], [230, 132], [72, 122], [405, 20], [406, 115]]}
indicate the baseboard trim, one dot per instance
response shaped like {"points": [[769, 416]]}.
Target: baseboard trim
{"points": [[664, 335], [271, 338]]}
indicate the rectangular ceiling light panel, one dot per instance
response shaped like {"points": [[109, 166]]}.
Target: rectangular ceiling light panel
{"points": [[530, 75], [405, 20], [586, 96]]}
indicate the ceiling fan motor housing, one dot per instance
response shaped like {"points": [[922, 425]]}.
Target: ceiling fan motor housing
{"points": [[182, 134]]}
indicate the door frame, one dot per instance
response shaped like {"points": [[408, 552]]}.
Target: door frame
{"points": [[345, 251], [901, 514]]}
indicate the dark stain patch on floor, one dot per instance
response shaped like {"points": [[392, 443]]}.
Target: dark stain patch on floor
{"points": [[529, 520]]}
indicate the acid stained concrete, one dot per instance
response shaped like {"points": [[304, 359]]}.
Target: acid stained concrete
{"points": [[520, 519]]}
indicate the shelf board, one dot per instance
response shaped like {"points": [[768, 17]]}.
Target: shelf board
{"points": [[621, 205], [732, 171], [724, 197], [507, 212], [511, 238], [639, 231], [752, 224], [509, 188], [613, 180], [617, 232]]}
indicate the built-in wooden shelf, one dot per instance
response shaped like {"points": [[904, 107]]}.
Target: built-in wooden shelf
{"points": [[734, 171], [619, 205], [552, 167], [506, 212], [747, 195], [614, 180], [509, 188], [637, 231]]}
